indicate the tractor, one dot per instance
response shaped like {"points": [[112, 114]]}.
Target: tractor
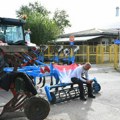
{"points": [[25, 97]]}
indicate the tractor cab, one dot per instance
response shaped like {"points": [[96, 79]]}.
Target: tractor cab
{"points": [[12, 38], [11, 31]]}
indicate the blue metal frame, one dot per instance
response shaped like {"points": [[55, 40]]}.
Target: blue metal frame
{"points": [[55, 73]]}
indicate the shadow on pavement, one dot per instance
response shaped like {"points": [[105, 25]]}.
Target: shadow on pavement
{"points": [[13, 116]]}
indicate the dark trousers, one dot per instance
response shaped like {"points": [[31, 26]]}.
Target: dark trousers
{"points": [[81, 88]]}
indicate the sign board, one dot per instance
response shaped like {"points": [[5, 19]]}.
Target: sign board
{"points": [[71, 39], [117, 41]]}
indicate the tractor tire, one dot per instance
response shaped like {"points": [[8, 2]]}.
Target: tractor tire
{"points": [[36, 108]]}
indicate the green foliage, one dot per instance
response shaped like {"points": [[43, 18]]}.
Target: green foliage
{"points": [[61, 19], [24, 10], [37, 7], [43, 28], [32, 8]]}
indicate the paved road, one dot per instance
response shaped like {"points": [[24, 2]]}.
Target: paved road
{"points": [[106, 106]]}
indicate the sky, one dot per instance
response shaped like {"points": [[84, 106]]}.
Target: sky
{"points": [[83, 14]]}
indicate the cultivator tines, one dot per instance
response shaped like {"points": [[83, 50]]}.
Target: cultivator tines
{"points": [[42, 81]]}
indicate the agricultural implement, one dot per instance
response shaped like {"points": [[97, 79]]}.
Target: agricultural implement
{"points": [[65, 90], [59, 54], [25, 97], [69, 54], [39, 71], [32, 67], [57, 49]]}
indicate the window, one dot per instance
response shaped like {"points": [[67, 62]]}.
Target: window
{"points": [[11, 34]]}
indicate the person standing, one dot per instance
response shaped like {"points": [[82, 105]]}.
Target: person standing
{"points": [[27, 36]]}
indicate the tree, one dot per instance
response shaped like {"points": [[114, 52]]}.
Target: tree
{"points": [[32, 8], [42, 27], [61, 19], [24, 10], [36, 7]]}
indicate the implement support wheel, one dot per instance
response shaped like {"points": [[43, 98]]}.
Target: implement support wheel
{"points": [[96, 87], [36, 108]]}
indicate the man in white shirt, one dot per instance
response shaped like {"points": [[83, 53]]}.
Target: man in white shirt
{"points": [[77, 77]]}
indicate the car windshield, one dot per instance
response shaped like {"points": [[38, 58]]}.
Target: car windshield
{"points": [[11, 34]]}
